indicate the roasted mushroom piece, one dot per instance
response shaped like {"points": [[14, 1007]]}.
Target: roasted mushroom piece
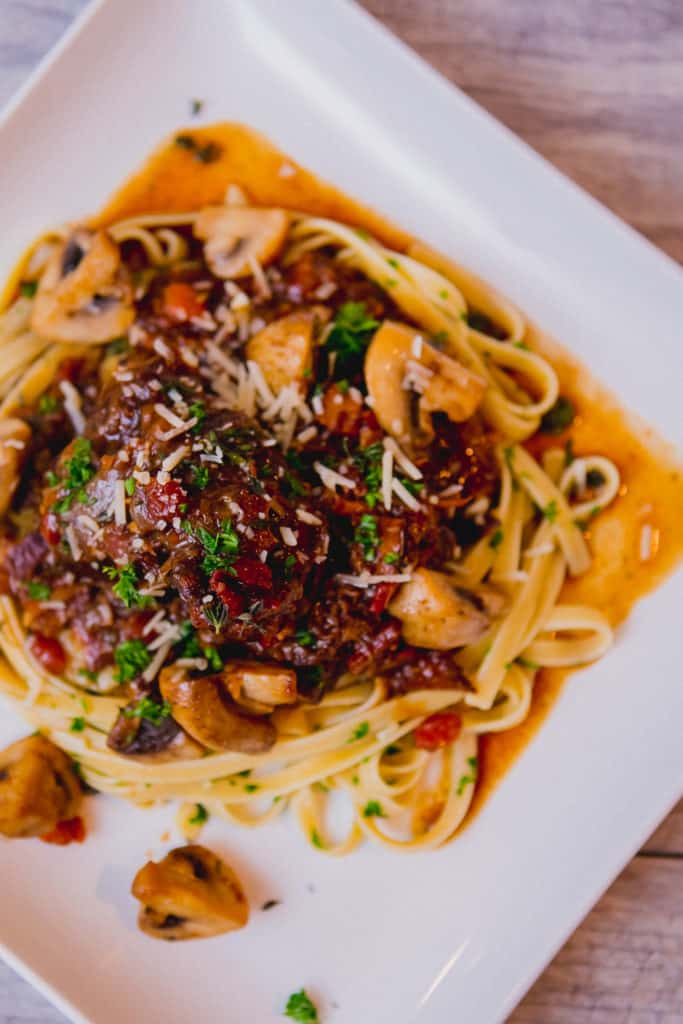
{"points": [[85, 293], [438, 614], [203, 707], [190, 894], [408, 379], [38, 788], [236, 236], [14, 437], [284, 348]]}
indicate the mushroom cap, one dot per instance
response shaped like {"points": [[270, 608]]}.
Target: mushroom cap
{"points": [[11, 458], [284, 348], [190, 894], [38, 788], [397, 369], [258, 686], [202, 706], [437, 614], [235, 236], [84, 294]]}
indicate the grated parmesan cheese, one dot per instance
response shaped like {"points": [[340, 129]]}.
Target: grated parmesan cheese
{"points": [[331, 478], [289, 536], [404, 495], [162, 349], [73, 542], [367, 580], [119, 503], [416, 346], [408, 467], [645, 542], [175, 457], [307, 517], [72, 405], [152, 669], [387, 477], [168, 415]]}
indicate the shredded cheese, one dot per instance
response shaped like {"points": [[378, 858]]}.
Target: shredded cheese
{"points": [[367, 580], [176, 457], [408, 467], [404, 495], [387, 477], [331, 479], [119, 503], [168, 415], [289, 536], [72, 405], [307, 517]]}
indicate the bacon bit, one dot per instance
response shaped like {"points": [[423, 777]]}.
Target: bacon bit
{"points": [[253, 573], [233, 602], [438, 730], [180, 302], [49, 652], [71, 830], [163, 501]]}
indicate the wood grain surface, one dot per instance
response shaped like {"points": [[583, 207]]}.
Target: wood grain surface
{"points": [[596, 86]]}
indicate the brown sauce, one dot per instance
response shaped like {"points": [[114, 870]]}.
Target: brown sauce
{"points": [[174, 180]]}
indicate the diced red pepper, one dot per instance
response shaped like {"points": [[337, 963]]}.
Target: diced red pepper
{"points": [[49, 528], [164, 500], [180, 301], [252, 572], [72, 830], [233, 601], [49, 652], [383, 594], [438, 730]]}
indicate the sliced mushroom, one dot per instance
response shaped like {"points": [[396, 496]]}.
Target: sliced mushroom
{"points": [[235, 236], [437, 614], [190, 894], [409, 380], [14, 437], [38, 788], [284, 348], [258, 687], [85, 293], [202, 706]]}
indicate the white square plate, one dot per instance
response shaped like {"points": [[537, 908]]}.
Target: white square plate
{"points": [[454, 935]]}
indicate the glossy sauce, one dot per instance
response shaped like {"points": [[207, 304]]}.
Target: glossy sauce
{"points": [[175, 180]]}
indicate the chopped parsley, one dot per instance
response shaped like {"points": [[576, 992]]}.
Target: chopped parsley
{"points": [[197, 411], [367, 536], [300, 1008], [373, 809], [88, 674], [392, 558], [467, 780], [220, 549], [77, 725], [369, 462], [47, 404], [269, 904], [200, 475], [38, 591], [551, 511], [149, 709], [496, 538], [569, 452], [196, 107], [557, 419], [289, 563], [117, 347], [361, 730], [126, 585], [392, 749], [350, 335], [79, 471], [316, 840], [200, 816], [129, 485], [443, 294], [28, 289], [251, 787], [51, 478], [583, 524], [305, 638], [132, 657], [191, 648], [205, 154], [527, 663]]}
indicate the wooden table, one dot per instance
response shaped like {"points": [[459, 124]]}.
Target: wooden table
{"points": [[596, 86]]}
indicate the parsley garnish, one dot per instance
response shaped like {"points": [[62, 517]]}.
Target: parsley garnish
{"points": [[289, 563], [88, 674], [527, 663], [28, 289], [251, 787], [220, 549], [392, 558], [126, 586], [200, 815], [191, 648], [38, 591], [300, 1008], [129, 485], [51, 478], [200, 475], [316, 840], [557, 419], [148, 708], [361, 730], [206, 154], [216, 614], [496, 539], [197, 411], [369, 461], [117, 347], [196, 107], [351, 333], [77, 725], [305, 638], [132, 658], [373, 809], [47, 404], [569, 452], [465, 780], [367, 536], [551, 511], [79, 471]]}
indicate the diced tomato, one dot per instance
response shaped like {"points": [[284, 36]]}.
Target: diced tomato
{"points": [[164, 500], [180, 301], [252, 572], [72, 830], [438, 730], [341, 411], [49, 652], [49, 528], [233, 601]]}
